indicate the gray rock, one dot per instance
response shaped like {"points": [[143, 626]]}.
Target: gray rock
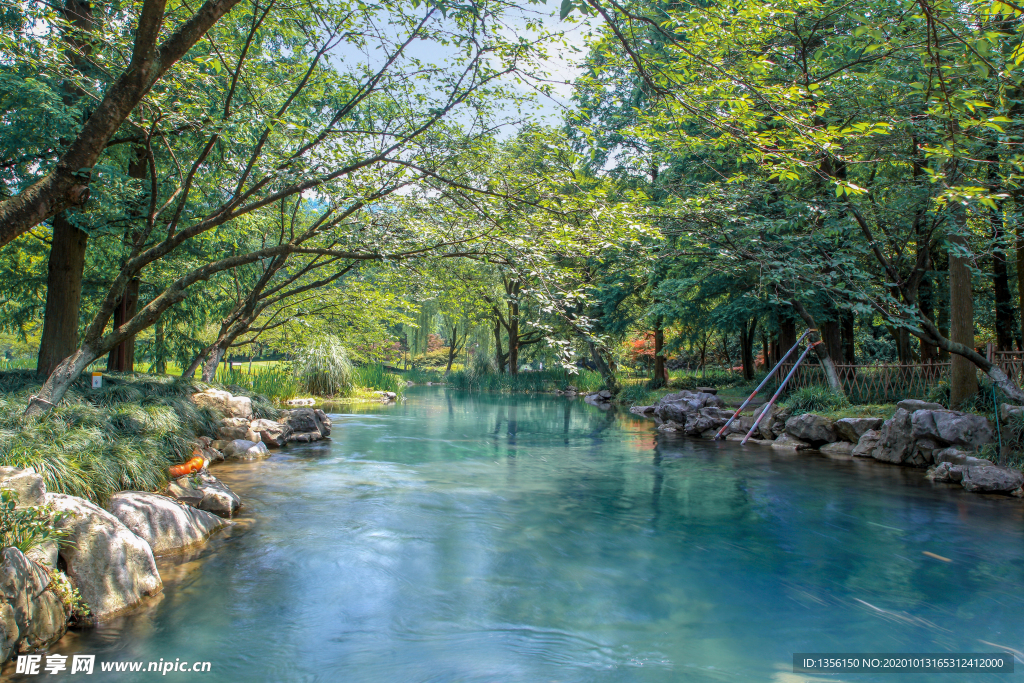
{"points": [[709, 400], [950, 427], [304, 421], [231, 406], [946, 472], [45, 554], [814, 429], [40, 616], [206, 492], [641, 410], [1008, 412], [306, 437], [181, 490], [28, 487], [8, 631], [895, 441], [912, 404], [325, 422], [111, 567], [958, 456], [852, 428], [604, 393], [774, 423], [164, 523], [839, 450], [670, 426], [240, 449], [274, 434], [232, 428], [991, 479], [788, 442], [741, 425], [213, 455], [676, 410], [867, 444]]}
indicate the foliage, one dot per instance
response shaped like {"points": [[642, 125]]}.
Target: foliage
{"points": [[69, 595], [378, 378], [27, 527], [323, 368], [815, 399], [421, 376], [277, 382]]}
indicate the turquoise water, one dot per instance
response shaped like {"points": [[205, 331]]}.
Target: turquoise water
{"points": [[488, 538]]}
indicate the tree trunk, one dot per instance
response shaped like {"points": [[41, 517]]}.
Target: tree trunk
{"points": [[212, 361], [452, 350], [832, 335], [605, 367], [1001, 286], [849, 348], [929, 352], [60, 380], [747, 348], [63, 295], [819, 349], [660, 378], [499, 354], [159, 359], [787, 333], [963, 382], [122, 356], [1020, 281]]}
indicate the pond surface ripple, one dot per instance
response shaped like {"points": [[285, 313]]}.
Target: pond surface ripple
{"points": [[470, 538]]}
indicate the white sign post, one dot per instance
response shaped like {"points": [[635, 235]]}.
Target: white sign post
{"points": [[97, 380]]}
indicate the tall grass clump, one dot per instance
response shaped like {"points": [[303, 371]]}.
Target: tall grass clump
{"points": [[378, 378], [277, 382], [97, 442], [323, 368], [422, 376], [815, 399]]}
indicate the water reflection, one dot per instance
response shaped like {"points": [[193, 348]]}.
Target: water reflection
{"points": [[487, 538]]}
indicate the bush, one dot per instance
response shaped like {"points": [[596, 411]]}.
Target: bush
{"points": [[276, 382], [28, 527], [323, 367], [815, 400]]}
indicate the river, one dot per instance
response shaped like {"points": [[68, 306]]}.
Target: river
{"points": [[472, 538]]}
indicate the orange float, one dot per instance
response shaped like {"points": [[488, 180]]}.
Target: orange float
{"points": [[194, 464]]}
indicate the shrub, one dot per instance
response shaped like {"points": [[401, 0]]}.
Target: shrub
{"points": [[323, 367], [815, 399], [378, 378], [27, 527], [276, 382]]}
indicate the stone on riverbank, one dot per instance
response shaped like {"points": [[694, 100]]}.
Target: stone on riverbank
{"points": [[225, 402], [35, 617], [991, 479], [957, 456], [914, 438], [241, 449], [206, 492], [814, 429], [912, 404], [852, 428], [274, 434], [867, 443], [165, 524], [232, 428], [306, 424], [788, 442], [838, 450], [774, 423], [111, 567], [951, 427]]}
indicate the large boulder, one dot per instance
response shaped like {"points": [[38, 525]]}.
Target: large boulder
{"points": [[867, 444], [232, 428], [305, 424], [895, 439], [206, 492], [838, 450], [852, 428], [912, 404], [111, 567], [325, 422], [162, 522], [991, 479], [274, 434], [958, 456], [951, 428], [28, 487], [773, 423], [241, 449], [814, 429], [39, 615], [225, 402]]}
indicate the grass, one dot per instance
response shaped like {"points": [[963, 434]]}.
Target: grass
{"points": [[323, 367], [97, 442], [377, 378], [276, 382], [422, 376], [526, 382]]}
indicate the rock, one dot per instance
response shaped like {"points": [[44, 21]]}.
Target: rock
{"points": [[162, 522], [840, 450], [28, 486], [8, 631], [741, 425], [852, 428], [206, 492], [231, 406], [707, 390], [946, 472], [670, 426], [641, 410], [213, 455], [895, 440], [45, 554], [232, 428], [951, 427], [991, 479], [240, 449], [40, 617], [773, 424], [1008, 412], [788, 442], [304, 401], [325, 422], [957, 456], [272, 433], [814, 429], [1018, 493], [111, 567], [204, 441], [708, 433], [867, 444], [912, 404], [604, 393], [304, 421]]}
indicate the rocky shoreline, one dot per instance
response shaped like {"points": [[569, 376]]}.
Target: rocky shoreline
{"points": [[920, 434], [107, 556]]}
